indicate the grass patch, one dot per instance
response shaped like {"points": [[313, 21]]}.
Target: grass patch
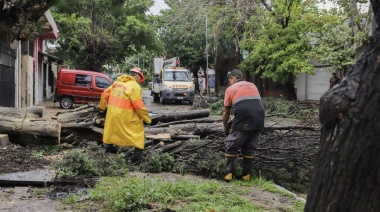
{"points": [[158, 194], [42, 151], [131, 194], [90, 161], [270, 186]]}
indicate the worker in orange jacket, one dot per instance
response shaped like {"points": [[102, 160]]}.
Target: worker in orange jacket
{"points": [[126, 113]]}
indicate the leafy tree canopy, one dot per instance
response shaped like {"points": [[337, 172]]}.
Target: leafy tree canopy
{"points": [[183, 32], [287, 36], [24, 16], [340, 34], [94, 33], [183, 28], [277, 42]]}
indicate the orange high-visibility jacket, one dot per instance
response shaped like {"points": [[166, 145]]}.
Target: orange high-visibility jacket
{"points": [[125, 113]]}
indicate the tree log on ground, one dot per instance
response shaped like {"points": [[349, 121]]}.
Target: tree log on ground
{"points": [[169, 117], [26, 127], [210, 119], [82, 117], [22, 113], [346, 175], [194, 128]]}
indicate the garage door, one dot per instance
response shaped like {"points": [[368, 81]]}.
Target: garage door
{"points": [[318, 84]]}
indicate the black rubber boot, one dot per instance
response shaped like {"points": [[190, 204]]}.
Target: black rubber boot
{"points": [[109, 148], [229, 167], [137, 153], [247, 166]]}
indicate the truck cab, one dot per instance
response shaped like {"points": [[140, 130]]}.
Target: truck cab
{"points": [[171, 82]]}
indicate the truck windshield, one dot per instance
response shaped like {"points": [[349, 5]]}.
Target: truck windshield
{"points": [[177, 76]]}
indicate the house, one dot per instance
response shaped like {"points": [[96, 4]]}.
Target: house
{"points": [[312, 87], [27, 72]]}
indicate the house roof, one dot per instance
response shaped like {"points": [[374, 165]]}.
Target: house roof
{"points": [[49, 30], [51, 57]]}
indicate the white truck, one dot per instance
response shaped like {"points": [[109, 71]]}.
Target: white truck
{"points": [[170, 82]]}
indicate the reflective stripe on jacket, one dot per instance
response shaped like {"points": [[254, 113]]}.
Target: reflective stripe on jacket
{"points": [[125, 113]]}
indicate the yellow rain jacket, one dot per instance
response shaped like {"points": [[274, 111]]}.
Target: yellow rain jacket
{"points": [[125, 113]]}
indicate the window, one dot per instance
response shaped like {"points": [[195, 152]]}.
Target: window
{"points": [[177, 76], [102, 82], [83, 80]]}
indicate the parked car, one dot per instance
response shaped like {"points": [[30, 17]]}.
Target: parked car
{"points": [[79, 87]]}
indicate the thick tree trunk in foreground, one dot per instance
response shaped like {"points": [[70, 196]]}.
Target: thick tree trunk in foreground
{"points": [[346, 175], [31, 132], [22, 113]]}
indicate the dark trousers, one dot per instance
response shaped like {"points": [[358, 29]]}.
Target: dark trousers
{"points": [[246, 141]]}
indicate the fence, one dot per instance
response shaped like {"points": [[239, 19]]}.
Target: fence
{"points": [[7, 76]]}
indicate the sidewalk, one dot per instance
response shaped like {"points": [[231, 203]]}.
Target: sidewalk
{"points": [[51, 109]]}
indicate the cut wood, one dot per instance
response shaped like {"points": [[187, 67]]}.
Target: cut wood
{"points": [[22, 113], [79, 118], [159, 136], [32, 132], [155, 131], [210, 119], [168, 117], [170, 147], [196, 128], [185, 137]]}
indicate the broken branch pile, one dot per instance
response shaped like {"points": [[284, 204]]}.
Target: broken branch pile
{"points": [[196, 140]]}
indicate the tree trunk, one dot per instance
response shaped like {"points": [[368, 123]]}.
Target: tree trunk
{"points": [[22, 113], [25, 126], [291, 91], [346, 175], [196, 128], [82, 117], [26, 132], [168, 117]]}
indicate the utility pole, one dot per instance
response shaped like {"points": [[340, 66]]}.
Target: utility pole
{"points": [[207, 88]]}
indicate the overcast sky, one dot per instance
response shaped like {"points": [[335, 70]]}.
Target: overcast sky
{"points": [[158, 5]]}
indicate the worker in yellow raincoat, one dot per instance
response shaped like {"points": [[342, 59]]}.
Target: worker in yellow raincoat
{"points": [[126, 113]]}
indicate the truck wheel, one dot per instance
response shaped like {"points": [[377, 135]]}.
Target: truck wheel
{"points": [[156, 98], [66, 103]]}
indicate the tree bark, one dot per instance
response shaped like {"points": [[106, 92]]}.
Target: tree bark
{"points": [[346, 175], [168, 117], [26, 132], [196, 128], [82, 117], [22, 113]]}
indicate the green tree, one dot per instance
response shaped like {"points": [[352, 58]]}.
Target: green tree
{"points": [[184, 29], [285, 38], [340, 37], [278, 44], [94, 33], [24, 17]]}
